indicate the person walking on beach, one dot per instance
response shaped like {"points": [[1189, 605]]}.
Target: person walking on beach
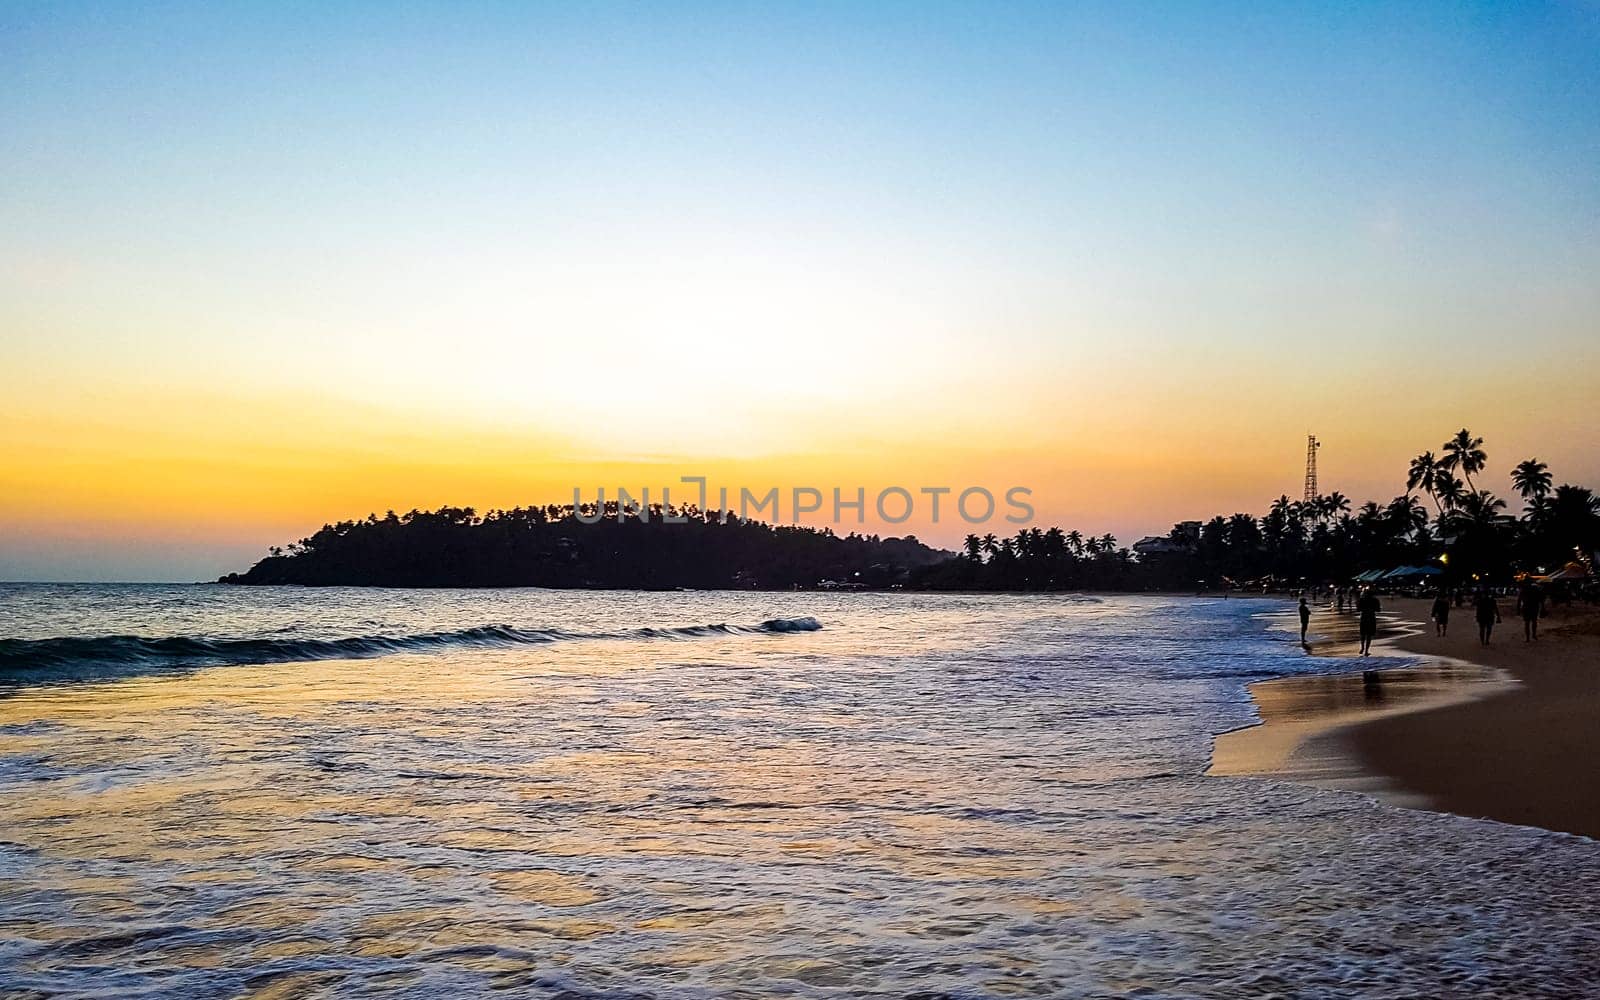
{"points": [[1488, 611], [1305, 619], [1530, 603], [1441, 614], [1369, 607]]}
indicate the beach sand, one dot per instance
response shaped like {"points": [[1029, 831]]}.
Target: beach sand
{"points": [[1510, 732]]}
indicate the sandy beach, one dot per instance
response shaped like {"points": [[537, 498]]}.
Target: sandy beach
{"points": [[1510, 732]]}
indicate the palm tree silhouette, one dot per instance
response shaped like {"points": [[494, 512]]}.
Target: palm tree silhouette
{"points": [[1334, 504], [1447, 490], [1466, 453], [974, 547], [1243, 531], [1423, 474], [1531, 479], [1571, 516], [1478, 509], [1407, 515]]}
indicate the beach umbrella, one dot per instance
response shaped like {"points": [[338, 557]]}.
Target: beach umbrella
{"points": [[1571, 571]]}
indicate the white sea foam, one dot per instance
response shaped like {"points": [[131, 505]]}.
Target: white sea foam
{"points": [[959, 796]]}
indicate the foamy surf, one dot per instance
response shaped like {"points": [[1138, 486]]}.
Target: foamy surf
{"points": [[73, 657], [936, 795]]}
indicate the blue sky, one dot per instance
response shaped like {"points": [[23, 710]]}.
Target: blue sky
{"points": [[1147, 219]]}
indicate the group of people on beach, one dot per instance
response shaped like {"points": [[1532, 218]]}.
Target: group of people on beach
{"points": [[1486, 609], [1366, 605]]}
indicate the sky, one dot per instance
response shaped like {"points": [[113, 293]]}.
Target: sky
{"points": [[268, 265]]}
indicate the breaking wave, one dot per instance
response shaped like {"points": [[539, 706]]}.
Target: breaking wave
{"points": [[92, 656]]}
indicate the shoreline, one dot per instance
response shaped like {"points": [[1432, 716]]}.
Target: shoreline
{"points": [[1510, 732]]}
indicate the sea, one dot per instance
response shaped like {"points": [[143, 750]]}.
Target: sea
{"points": [[211, 791]]}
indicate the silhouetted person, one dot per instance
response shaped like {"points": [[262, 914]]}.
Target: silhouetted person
{"points": [[1339, 595], [1368, 606], [1530, 602], [1440, 614], [1488, 611], [1305, 619]]}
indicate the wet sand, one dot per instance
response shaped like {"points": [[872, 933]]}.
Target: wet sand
{"points": [[1510, 733]]}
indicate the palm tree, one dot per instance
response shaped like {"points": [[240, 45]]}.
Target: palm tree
{"points": [[1421, 475], [1447, 490], [974, 547], [1244, 533], [1531, 479], [1466, 453], [1571, 519], [1479, 509], [991, 545], [1537, 512], [1075, 542], [1334, 504], [1578, 499], [1280, 522], [1407, 515], [1476, 529]]}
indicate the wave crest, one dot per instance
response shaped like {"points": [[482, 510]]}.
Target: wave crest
{"points": [[73, 657]]}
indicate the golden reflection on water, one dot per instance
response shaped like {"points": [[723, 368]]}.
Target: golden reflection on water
{"points": [[275, 787], [1297, 712], [735, 820]]}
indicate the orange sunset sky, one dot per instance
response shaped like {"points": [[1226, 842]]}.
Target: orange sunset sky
{"points": [[261, 271]]}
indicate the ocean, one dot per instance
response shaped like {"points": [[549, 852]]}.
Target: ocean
{"points": [[214, 791]]}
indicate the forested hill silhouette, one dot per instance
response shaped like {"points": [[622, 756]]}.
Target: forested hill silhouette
{"points": [[1470, 541], [551, 546]]}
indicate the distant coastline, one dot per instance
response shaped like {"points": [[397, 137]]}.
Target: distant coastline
{"points": [[607, 548], [1320, 541]]}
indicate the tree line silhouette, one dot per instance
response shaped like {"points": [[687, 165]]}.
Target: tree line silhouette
{"points": [[1037, 559], [1468, 535], [593, 546]]}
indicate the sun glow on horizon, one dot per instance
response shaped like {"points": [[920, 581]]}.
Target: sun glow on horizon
{"points": [[260, 272]]}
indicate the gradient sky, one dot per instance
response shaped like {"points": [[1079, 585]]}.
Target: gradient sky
{"points": [[268, 265]]}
